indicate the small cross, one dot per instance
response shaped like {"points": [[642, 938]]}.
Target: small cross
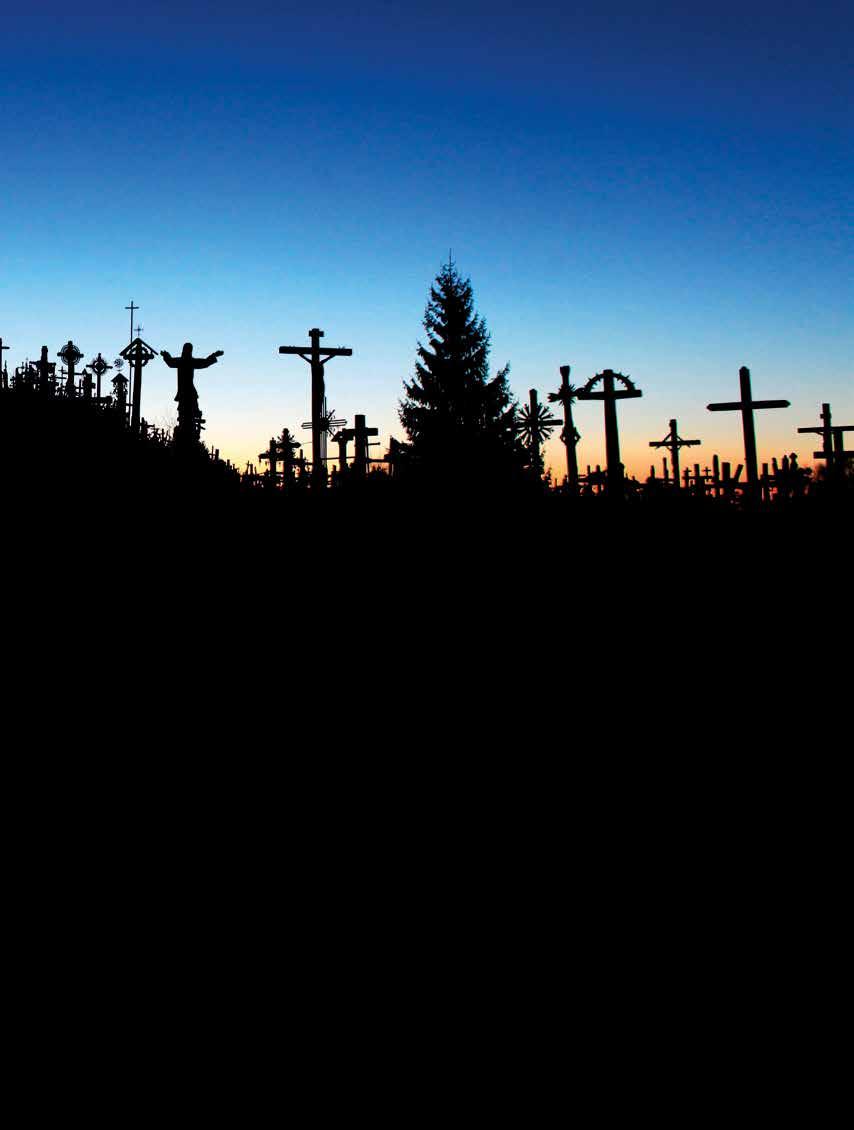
{"points": [[673, 442], [131, 308], [360, 434]]}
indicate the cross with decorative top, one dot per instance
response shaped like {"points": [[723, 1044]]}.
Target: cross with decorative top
{"points": [[70, 354], [329, 423], [99, 366], [833, 440], [317, 359], [534, 428], [673, 442], [611, 394], [747, 405], [138, 354], [570, 435]]}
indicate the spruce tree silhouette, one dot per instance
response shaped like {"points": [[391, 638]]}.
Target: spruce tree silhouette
{"points": [[460, 422]]}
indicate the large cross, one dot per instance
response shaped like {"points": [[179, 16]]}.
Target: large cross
{"points": [[3, 349], [673, 442], [611, 394], [747, 405], [138, 353], [833, 439], [316, 358], [570, 435]]}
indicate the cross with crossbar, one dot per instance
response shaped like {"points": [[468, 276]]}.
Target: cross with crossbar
{"points": [[317, 359], [747, 406]]}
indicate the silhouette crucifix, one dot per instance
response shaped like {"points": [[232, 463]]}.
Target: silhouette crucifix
{"points": [[673, 442], [746, 406], [317, 358], [832, 439]]}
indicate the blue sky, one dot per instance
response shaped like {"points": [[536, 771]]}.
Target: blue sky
{"points": [[659, 188]]}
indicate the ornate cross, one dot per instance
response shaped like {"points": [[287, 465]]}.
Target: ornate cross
{"points": [[99, 366], [534, 428], [138, 354], [70, 354], [570, 435], [611, 394]]}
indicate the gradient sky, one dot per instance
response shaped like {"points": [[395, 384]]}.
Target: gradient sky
{"points": [[658, 188]]}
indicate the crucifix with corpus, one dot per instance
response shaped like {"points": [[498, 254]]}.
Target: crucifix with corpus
{"points": [[747, 406], [672, 441], [832, 439], [317, 358]]}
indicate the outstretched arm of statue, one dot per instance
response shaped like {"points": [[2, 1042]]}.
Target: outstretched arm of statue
{"points": [[169, 359], [205, 362]]}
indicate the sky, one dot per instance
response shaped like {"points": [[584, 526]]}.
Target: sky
{"points": [[663, 189]]}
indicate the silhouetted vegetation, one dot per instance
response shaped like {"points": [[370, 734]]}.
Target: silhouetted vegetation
{"points": [[459, 420]]}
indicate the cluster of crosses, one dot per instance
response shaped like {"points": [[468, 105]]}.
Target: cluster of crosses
{"points": [[536, 424], [324, 426], [125, 401]]}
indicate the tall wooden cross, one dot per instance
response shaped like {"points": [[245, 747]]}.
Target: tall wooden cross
{"points": [[832, 438], [570, 435], [316, 358], [138, 353], [3, 349], [611, 394], [747, 406], [672, 441]]}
